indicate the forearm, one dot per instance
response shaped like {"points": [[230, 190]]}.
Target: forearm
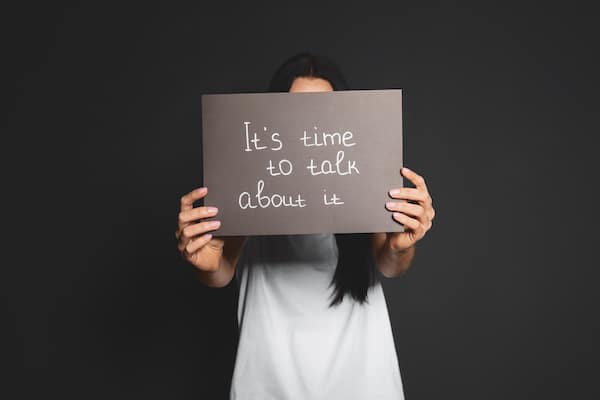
{"points": [[391, 262], [225, 261], [218, 278]]}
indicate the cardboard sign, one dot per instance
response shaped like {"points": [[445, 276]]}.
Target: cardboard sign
{"points": [[298, 163]]}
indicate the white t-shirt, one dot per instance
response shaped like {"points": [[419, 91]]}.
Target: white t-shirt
{"points": [[292, 345]]}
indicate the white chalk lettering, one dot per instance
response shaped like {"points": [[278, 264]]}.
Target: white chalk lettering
{"points": [[327, 139], [347, 136], [254, 139], [274, 200], [326, 166], [285, 168], [333, 200], [274, 137], [245, 201], [247, 136]]}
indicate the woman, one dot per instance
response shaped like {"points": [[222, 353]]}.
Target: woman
{"points": [[312, 315]]}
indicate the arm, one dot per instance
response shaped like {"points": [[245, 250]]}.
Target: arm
{"points": [[213, 258], [394, 251], [226, 255], [391, 263]]}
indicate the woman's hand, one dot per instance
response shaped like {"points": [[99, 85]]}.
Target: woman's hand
{"points": [[195, 241], [413, 209]]}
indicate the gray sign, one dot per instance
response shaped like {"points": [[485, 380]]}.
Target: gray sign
{"points": [[297, 163]]}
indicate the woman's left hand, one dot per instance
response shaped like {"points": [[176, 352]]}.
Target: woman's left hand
{"points": [[413, 209]]}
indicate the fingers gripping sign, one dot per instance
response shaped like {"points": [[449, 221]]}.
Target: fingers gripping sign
{"points": [[194, 233], [413, 209]]}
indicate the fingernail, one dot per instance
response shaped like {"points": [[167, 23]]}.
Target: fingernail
{"points": [[406, 169], [394, 192], [208, 236], [389, 204], [215, 224], [212, 210]]}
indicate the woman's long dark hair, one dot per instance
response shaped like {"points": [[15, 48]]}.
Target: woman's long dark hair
{"points": [[355, 270]]}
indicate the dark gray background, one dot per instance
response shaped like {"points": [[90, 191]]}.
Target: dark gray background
{"points": [[500, 118], [374, 120]]}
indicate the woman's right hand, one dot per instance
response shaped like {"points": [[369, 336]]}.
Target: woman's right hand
{"points": [[195, 241]]}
